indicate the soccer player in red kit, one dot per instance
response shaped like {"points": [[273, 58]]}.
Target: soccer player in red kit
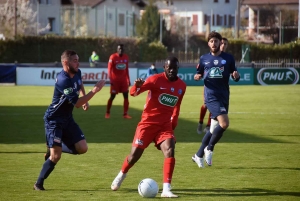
{"points": [[159, 119], [119, 79]]}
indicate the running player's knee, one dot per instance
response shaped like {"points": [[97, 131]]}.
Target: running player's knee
{"points": [[112, 97], [224, 125], [82, 149], [169, 152], [55, 157], [125, 95]]}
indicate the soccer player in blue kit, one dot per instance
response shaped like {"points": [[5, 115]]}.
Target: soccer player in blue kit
{"points": [[62, 132], [215, 68]]}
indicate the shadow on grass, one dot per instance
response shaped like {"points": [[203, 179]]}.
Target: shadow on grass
{"points": [[216, 192], [25, 125]]}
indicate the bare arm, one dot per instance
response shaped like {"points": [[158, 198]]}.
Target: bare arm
{"points": [[84, 99]]}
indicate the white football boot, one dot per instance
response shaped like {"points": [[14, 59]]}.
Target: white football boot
{"points": [[118, 181], [198, 160], [208, 156]]}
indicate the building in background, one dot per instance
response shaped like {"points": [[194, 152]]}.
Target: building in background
{"points": [[270, 21], [199, 15]]}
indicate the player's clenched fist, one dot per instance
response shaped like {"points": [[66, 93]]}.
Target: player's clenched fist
{"points": [[138, 82], [98, 86], [235, 75], [197, 77]]}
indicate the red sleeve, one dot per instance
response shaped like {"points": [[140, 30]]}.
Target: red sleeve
{"points": [[148, 84], [110, 66], [176, 112]]}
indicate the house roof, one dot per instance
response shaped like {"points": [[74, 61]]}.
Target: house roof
{"points": [[268, 2], [93, 3]]}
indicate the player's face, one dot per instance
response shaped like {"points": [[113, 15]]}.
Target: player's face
{"points": [[73, 64], [171, 70], [214, 45], [120, 50], [224, 45]]}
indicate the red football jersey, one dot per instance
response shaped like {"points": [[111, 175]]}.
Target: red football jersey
{"points": [[163, 100], [118, 68]]}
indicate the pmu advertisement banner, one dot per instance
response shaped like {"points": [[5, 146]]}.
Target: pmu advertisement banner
{"points": [[44, 76], [187, 75], [276, 76]]}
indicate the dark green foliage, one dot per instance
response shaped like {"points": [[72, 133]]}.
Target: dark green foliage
{"points": [[49, 48], [149, 26]]}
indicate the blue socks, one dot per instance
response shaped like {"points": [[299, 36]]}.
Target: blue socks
{"points": [[47, 168], [216, 136], [205, 140]]}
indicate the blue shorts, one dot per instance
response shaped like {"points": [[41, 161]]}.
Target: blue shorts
{"points": [[217, 108], [68, 132]]}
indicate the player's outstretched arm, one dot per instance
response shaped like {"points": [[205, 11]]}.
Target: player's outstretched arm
{"points": [[82, 100]]}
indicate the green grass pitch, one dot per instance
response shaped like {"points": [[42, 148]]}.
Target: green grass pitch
{"points": [[258, 157]]}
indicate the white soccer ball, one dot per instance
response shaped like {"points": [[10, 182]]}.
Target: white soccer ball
{"points": [[148, 188]]}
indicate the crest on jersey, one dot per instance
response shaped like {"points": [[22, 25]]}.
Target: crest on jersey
{"points": [[223, 61], [172, 89], [68, 91], [216, 62], [180, 91]]}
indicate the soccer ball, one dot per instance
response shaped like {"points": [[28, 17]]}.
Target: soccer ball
{"points": [[148, 188]]}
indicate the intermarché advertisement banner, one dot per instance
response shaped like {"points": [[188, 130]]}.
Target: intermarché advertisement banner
{"points": [[276, 76], [187, 75]]}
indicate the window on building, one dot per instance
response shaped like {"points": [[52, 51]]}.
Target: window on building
{"points": [[227, 1], [225, 20], [219, 20], [216, 1], [121, 19], [109, 16], [206, 19], [51, 22], [231, 20]]}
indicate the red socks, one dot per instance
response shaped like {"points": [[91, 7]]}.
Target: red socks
{"points": [[202, 113], [169, 165], [125, 105], [109, 103], [126, 166]]}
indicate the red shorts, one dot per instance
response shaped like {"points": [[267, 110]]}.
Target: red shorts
{"points": [[147, 133], [118, 87]]}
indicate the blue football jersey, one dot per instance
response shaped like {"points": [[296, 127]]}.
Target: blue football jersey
{"points": [[215, 72], [66, 94]]}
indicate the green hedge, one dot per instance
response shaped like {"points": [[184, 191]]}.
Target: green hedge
{"points": [[49, 48]]}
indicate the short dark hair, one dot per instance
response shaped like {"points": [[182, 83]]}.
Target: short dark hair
{"points": [[225, 39], [172, 59], [67, 54], [214, 34]]}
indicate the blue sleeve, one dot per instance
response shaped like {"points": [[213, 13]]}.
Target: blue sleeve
{"points": [[233, 68], [65, 86], [200, 66], [149, 72]]}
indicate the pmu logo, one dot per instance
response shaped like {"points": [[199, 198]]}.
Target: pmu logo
{"points": [[273, 76]]}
